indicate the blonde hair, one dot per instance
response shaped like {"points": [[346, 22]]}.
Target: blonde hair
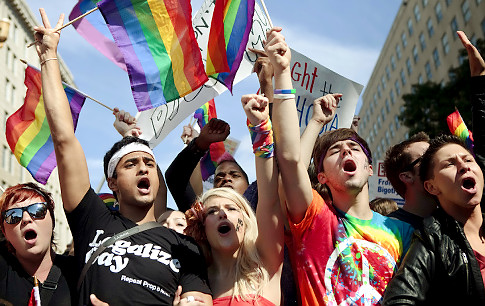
{"points": [[251, 277]]}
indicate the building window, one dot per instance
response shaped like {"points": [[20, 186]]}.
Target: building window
{"points": [[14, 95], [398, 52], [478, 2], [454, 27], [6, 159], [393, 62], [409, 66], [425, 3], [388, 106], [403, 78], [448, 2], [388, 72], [396, 121], [427, 68], [383, 81], [398, 87], [383, 114], [429, 24], [417, 14], [379, 92], [375, 99], [422, 41], [375, 128], [446, 45], [483, 26], [420, 79], [393, 97], [436, 58], [465, 9], [439, 13], [410, 27], [391, 129], [388, 139], [415, 54], [404, 40], [8, 91]]}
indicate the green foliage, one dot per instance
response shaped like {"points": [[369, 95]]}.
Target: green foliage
{"points": [[430, 103]]}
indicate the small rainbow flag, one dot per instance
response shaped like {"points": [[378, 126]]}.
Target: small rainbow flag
{"points": [[232, 20], [27, 130], [94, 29], [208, 162], [159, 47], [110, 201], [458, 128]]}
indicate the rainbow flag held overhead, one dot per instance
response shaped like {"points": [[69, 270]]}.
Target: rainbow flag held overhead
{"points": [[110, 201], [232, 19], [158, 44], [208, 162], [94, 30], [458, 128], [27, 130]]}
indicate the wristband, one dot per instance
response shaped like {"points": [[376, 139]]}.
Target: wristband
{"points": [[283, 96], [48, 59], [284, 91], [262, 138]]}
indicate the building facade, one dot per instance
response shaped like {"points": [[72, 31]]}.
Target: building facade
{"points": [[422, 46], [12, 94]]}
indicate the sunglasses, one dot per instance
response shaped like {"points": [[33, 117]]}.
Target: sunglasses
{"points": [[36, 211], [414, 163]]}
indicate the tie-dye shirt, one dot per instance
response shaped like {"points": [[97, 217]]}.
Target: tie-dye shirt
{"points": [[340, 259]]}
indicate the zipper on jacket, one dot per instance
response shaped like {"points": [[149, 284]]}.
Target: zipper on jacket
{"points": [[465, 260]]}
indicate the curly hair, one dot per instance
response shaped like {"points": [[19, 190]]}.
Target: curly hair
{"points": [[250, 274]]}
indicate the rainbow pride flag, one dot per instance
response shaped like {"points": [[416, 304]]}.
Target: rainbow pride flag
{"points": [[110, 201], [235, 17], [208, 162], [27, 130], [93, 28], [158, 44], [458, 128]]}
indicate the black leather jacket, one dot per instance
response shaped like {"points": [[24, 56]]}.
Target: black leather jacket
{"points": [[440, 268]]}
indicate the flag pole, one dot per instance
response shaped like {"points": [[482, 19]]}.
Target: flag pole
{"points": [[69, 23], [75, 89], [267, 14]]}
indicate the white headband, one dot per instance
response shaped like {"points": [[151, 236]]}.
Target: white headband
{"points": [[129, 148]]}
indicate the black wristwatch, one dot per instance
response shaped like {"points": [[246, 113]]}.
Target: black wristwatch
{"points": [[192, 147]]}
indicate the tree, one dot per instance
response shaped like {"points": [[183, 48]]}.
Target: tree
{"points": [[426, 108]]}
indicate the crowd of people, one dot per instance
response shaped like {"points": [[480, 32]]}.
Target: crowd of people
{"points": [[304, 233]]}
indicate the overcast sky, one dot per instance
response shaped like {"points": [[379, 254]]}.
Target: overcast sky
{"points": [[345, 36]]}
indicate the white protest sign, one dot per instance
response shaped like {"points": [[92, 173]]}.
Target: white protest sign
{"points": [[311, 81], [158, 122], [380, 186]]}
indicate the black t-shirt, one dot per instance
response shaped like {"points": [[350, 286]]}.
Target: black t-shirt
{"points": [[145, 268], [400, 214], [16, 285]]}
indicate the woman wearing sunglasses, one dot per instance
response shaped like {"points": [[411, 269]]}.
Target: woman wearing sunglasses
{"points": [[27, 215]]}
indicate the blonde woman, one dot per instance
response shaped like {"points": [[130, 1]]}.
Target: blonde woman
{"points": [[244, 251]]}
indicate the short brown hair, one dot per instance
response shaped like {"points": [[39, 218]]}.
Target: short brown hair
{"points": [[383, 206], [325, 141], [397, 159]]}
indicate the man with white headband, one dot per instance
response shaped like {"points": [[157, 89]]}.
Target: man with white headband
{"points": [[156, 266]]}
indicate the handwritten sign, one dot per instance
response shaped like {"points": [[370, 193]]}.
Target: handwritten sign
{"points": [[310, 79]]}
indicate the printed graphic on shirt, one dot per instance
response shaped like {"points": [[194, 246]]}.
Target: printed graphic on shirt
{"points": [[115, 256]]}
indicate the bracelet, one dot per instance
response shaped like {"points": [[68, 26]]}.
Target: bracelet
{"points": [[48, 59], [262, 138], [284, 91], [283, 96]]}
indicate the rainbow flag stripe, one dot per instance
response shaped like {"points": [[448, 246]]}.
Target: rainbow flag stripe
{"points": [[27, 130], [158, 44], [458, 128], [94, 30], [237, 20], [110, 201], [208, 162]]}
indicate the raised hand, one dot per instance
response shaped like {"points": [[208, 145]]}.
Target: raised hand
{"points": [[214, 131], [256, 108], [477, 64], [188, 133], [125, 123], [46, 37], [97, 302], [188, 300], [324, 108], [277, 50]]}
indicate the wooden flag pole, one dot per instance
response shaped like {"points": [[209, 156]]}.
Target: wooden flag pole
{"points": [[69, 23], [77, 90], [267, 14]]}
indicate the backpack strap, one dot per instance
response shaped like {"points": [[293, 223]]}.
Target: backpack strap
{"points": [[50, 284], [131, 231]]}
